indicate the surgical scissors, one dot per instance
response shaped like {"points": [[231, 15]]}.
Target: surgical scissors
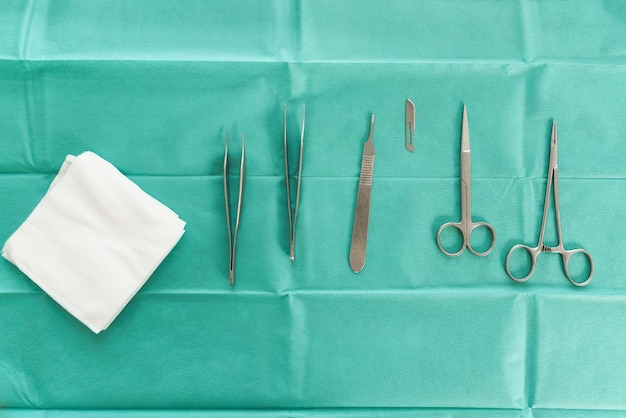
{"points": [[466, 226], [552, 181]]}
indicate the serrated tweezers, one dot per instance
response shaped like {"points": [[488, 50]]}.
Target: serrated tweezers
{"points": [[293, 214], [232, 235]]}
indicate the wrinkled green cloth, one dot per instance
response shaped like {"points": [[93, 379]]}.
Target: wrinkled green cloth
{"points": [[154, 87]]}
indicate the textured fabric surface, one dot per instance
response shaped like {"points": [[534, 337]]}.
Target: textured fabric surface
{"points": [[155, 87]]}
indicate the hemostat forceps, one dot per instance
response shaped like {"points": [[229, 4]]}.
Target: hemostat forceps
{"points": [[466, 226], [293, 216], [552, 181], [232, 235]]}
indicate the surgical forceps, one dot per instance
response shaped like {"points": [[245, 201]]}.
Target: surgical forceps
{"points": [[293, 216], [232, 235], [552, 181], [466, 226]]}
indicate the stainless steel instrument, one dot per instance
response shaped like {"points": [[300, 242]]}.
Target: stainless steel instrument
{"points": [[232, 234], [466, 226], [293, 213], [362, 211], [552, 182], [409, 125]]}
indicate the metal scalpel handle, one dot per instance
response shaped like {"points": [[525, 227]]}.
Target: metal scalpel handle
{"points": [[362, 211]]}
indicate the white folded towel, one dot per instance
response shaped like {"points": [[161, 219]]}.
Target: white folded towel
{"points": [[93, 240]]}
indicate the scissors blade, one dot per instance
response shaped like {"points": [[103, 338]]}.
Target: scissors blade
{"points": [[409, 129], [465, 149], [465, 140], [466, 182]]}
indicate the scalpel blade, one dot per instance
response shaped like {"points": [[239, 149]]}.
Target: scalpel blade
{"points": [[409, 129]]}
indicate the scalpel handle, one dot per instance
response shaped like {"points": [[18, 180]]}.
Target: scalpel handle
{"points": [[362, 211]]}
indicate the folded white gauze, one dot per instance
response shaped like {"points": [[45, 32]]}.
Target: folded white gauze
{"points": [[93, 240]]}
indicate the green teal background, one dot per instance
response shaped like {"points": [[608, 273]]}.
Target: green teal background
{"points": [[153, 87]]}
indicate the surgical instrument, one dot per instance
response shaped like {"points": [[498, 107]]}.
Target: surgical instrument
{"points": [[409, 125], [466, 226], [293, 216], [232, 235], [551, 182], [362, 211]]}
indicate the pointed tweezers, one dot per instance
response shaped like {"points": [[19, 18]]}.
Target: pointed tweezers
{"points": [[232, 236], [293, 216]]}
